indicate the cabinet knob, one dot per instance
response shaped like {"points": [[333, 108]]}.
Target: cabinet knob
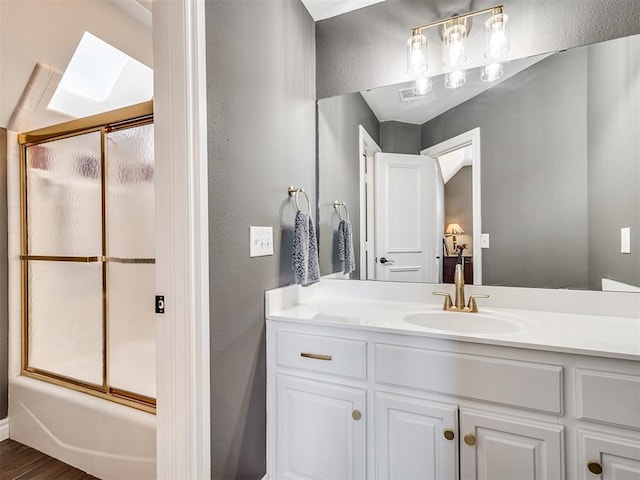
{"points": [[449, 434], [469, 439], [594, 467], [356, 415]]}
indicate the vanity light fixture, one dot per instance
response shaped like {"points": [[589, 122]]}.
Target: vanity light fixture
{"points": [[455, 79], [422, 86], [491, 72], [455, 31]]}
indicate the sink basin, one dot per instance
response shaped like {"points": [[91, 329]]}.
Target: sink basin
{"points": [[458, 322]]}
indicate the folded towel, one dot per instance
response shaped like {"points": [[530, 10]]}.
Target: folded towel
{"points": [[305, 250], [345, 246]]}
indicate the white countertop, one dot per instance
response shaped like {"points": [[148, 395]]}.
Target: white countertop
{"points": [[579, 333]]}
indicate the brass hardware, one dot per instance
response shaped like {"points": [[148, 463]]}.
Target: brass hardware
{"points": [[316, 356], [594, 467], [447, 300], [356, 415], [473, 307], [470, 439], [59, 258], [458, 305], [494, 11], [449, 434]]}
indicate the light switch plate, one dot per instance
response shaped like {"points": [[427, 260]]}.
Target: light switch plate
{"points": [[625, 240], [260, 241], [484, 240]]}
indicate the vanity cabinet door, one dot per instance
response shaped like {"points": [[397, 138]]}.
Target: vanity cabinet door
{"points": [[496, 447], [608, 457], [320, 430], [415, 439]]}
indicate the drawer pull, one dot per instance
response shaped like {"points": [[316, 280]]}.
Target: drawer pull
{"points": [[356, 415], [469, 439], [449, 434], [315, 356], [594, 467]]}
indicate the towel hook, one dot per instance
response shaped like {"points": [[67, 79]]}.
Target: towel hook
{"points": [[339, 206], [297, 191]]}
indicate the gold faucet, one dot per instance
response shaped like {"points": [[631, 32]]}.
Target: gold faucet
{"points": [[458, 305]]}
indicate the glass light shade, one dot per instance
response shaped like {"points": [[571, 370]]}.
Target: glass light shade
{"points": [[417, 62], [496, 32], [453, 45], [422, 86], [455, 79], [491, 72]]}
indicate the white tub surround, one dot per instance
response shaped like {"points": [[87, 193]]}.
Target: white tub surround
{"points": [[355, 390], [105, 439]]}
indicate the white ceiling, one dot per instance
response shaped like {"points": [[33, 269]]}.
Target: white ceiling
{"points": [[386, 105], [321, 9]]}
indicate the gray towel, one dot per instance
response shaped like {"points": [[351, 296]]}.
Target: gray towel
{"points": [[345, 246], [305, 250]]}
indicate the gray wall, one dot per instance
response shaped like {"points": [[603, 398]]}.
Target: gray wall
{"points": [[4, 310], [523, 149], [339, 171], [261, 135], [366, 48], [458, 208], [400, 137], [614, 160]]}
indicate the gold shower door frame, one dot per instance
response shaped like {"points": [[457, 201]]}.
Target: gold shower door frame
{"points": [[105, 123]]}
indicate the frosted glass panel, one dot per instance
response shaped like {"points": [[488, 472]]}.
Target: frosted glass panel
{"points": [[130, 196], [132, 330], [65, 319], [64, 199]]}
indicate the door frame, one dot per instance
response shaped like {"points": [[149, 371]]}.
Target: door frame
{"points": [[182, 245], [367, 148], [472, 137]]}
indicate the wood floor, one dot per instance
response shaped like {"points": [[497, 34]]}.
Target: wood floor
{"points": [[18, 461]]}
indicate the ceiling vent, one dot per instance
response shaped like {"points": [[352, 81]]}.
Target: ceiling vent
{"points": [[407, 95]]}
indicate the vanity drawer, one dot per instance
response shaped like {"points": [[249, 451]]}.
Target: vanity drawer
{"points": [[318, 353], [533, 386], [608, 397]]}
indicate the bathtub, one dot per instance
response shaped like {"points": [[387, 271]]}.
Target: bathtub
{"points": [[105, 439]]}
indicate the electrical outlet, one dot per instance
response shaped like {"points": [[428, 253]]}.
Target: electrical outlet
{"points": [[260, 241], [484, 240], [625, 240]]}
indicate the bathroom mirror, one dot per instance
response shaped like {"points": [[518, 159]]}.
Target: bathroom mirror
{"points": [[557, 175]]}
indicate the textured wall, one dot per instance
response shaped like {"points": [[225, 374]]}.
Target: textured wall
{"points": [[534, 173], [400, 137], [261, 135], [366, 48], [614, 160], [339, 171]]}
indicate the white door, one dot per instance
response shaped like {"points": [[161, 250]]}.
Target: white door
{"points": [[494, 447], [415, 439], [608, 457], [409, 195], [320, 430]]}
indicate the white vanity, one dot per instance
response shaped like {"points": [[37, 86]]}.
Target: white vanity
{"points": [[374, 380]]}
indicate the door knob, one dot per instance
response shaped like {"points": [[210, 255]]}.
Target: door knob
{"points": [[469, 439], [594, 467], [384, 260], [356, 415], [449, 434]]}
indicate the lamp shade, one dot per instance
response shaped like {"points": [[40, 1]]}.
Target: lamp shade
{"points": [[453, 229]]}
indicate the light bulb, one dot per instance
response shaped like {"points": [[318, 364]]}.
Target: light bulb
{"points": [[422, 86], [491, 72], [453, 45], [417, 62], [455, 79], [497, 36]]}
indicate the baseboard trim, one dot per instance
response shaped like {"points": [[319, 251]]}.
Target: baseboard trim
{"points": [[4, 429]]}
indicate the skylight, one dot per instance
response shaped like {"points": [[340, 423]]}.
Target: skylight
{"points": [[100, 78]]}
